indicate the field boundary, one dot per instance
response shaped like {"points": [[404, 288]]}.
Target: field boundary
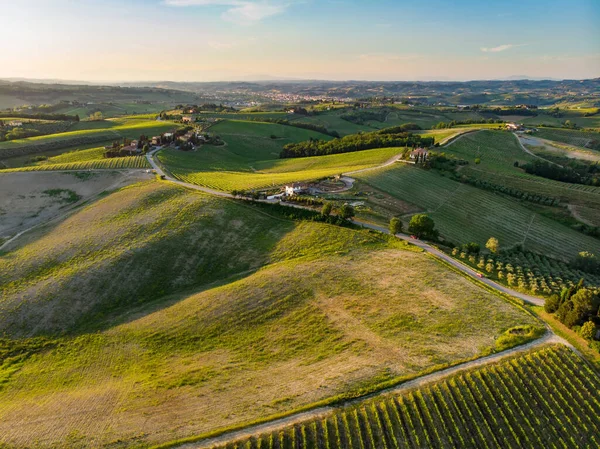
{"points": [[232, 434]]}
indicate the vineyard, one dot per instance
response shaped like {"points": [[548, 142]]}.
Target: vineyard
{"points": [[496, 150], [94, 164], [464, 213], [272, 173], [545, 399], [529, 272], [106, 132]]}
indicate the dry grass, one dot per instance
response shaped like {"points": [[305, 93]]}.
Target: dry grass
{"points": [[293, 333]]}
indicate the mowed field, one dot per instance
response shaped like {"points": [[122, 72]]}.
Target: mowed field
{"points": [[463, 213], [181, 313], [545, 399], [250, 158]]}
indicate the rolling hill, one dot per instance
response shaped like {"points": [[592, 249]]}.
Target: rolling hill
{"points": [[165, 313]]}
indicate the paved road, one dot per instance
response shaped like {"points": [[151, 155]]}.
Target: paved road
{"points": [[421, 244]]}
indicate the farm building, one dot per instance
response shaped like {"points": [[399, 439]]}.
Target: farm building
{"points": [[419, 154], [514, 127], [15, 124], [156, 140], [296, 188], [187, 119]]}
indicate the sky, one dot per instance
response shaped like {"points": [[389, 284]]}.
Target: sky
{"points": [[222, 40]]}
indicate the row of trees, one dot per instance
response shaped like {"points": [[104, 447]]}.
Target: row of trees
{"points": [[511, 191], [580, 174], [400, 128], [354, 142], [420, 225], [453, 123], [43, 116], [310, 126]]}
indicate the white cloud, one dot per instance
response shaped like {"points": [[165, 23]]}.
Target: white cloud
{"points": [[242, 12], [500, 48]]}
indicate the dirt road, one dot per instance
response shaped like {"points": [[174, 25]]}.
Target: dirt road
{"points": [[323, 412]]}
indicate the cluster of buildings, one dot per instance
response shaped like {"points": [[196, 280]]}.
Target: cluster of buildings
{"points": [[133, 148], [515, 127]]}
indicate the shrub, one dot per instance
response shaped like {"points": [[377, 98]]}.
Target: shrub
{"points": [[588, 330], [395, 226]]}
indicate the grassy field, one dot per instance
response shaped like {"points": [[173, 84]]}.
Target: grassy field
{"points": [[570, 136], [498, 151], [547, 398], [208, 168], [250, 158], [90, 132], [171, 313], [333, 122], [464, 213]]}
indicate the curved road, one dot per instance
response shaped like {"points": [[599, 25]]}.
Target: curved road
{"points": [[425, 246]]}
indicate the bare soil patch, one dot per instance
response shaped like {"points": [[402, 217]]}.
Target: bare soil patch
{"points": [[32, 198]]}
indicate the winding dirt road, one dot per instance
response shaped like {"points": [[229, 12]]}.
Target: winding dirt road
{"points": [[323, 412]]}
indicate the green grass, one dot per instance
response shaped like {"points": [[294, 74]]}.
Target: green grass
{"points": [[109, 131], [170, 313], [522, 402], [250, 158], [498, 151], [207, 168], [572, 137], [463, 213], [87, 164], [333, 122]]}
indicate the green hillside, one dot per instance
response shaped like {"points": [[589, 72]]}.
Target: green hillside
{"points": [[85, 133], [171, 313], [464, 213], [250, 158], [497, 153]]}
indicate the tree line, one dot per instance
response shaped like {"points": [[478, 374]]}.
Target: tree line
{"points": [[453, 123], [40, 116], [310, 126], [579, 174], [577, 308], [354, 142]]}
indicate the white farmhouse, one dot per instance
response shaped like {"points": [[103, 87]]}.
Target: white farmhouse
{"points": [[296, 188]]}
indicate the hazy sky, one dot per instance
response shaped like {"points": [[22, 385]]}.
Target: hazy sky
{"points": [[207, 40]]}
